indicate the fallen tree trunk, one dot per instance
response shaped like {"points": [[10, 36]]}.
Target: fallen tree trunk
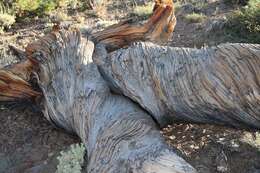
{"points": [[211, 85], [219, 85], [119, 136]]}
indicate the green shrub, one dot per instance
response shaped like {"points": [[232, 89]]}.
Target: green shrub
{"points": [[195, 18], [177, 6], [27, 5], [34, 7], [196, 3], [72, 160], [253, 140], [236, 2], [47, 6], [63, 3], [143, 11], [31, 8], [7, 17], [42, 7], [245, 22], [69, 4], [6, 20]]}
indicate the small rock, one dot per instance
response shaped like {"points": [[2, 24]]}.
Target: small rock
{"points": [[172, 137]]}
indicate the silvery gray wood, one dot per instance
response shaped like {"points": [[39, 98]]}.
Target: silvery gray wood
{"points": [[120, 137], [219, 85]]}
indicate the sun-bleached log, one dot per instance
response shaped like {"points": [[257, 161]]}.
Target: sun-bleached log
{"points": [[155, 86], [119, 136], [219, 85], [210, 85]]}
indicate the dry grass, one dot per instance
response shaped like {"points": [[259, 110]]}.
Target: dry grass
{"points": [[7, 17], [99, 9], [143, 11], [195, 18], [253, 140]]}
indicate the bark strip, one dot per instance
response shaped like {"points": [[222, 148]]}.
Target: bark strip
{"points": [[15, 85]]}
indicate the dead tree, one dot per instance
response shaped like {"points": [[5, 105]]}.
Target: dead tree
{"points": [[119, 135], [153, 86]]}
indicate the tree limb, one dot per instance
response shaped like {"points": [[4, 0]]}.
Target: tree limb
{"points": [[158, 28]]}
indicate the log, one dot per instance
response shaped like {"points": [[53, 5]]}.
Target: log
{"points": [[219, 85], [152, 86], [119, 136]]}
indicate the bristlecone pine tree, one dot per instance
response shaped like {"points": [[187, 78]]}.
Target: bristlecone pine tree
{"points": [[152, 86]]}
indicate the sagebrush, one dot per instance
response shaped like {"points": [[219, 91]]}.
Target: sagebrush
{"points": [[7, 17], [245, 23], [71, 161]]}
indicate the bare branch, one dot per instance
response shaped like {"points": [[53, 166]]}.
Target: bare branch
{"points": [[158, 28]]}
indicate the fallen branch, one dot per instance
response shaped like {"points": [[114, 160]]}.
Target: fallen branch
{"points": [[158, 28]]}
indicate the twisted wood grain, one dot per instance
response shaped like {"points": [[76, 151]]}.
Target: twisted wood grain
{"points": [[119, 136], [210, 85]]}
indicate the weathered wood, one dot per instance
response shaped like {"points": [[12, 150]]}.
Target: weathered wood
{"points": [[14, 88], [209, 85], [119, 136], [158, 28], [14, 83]]}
